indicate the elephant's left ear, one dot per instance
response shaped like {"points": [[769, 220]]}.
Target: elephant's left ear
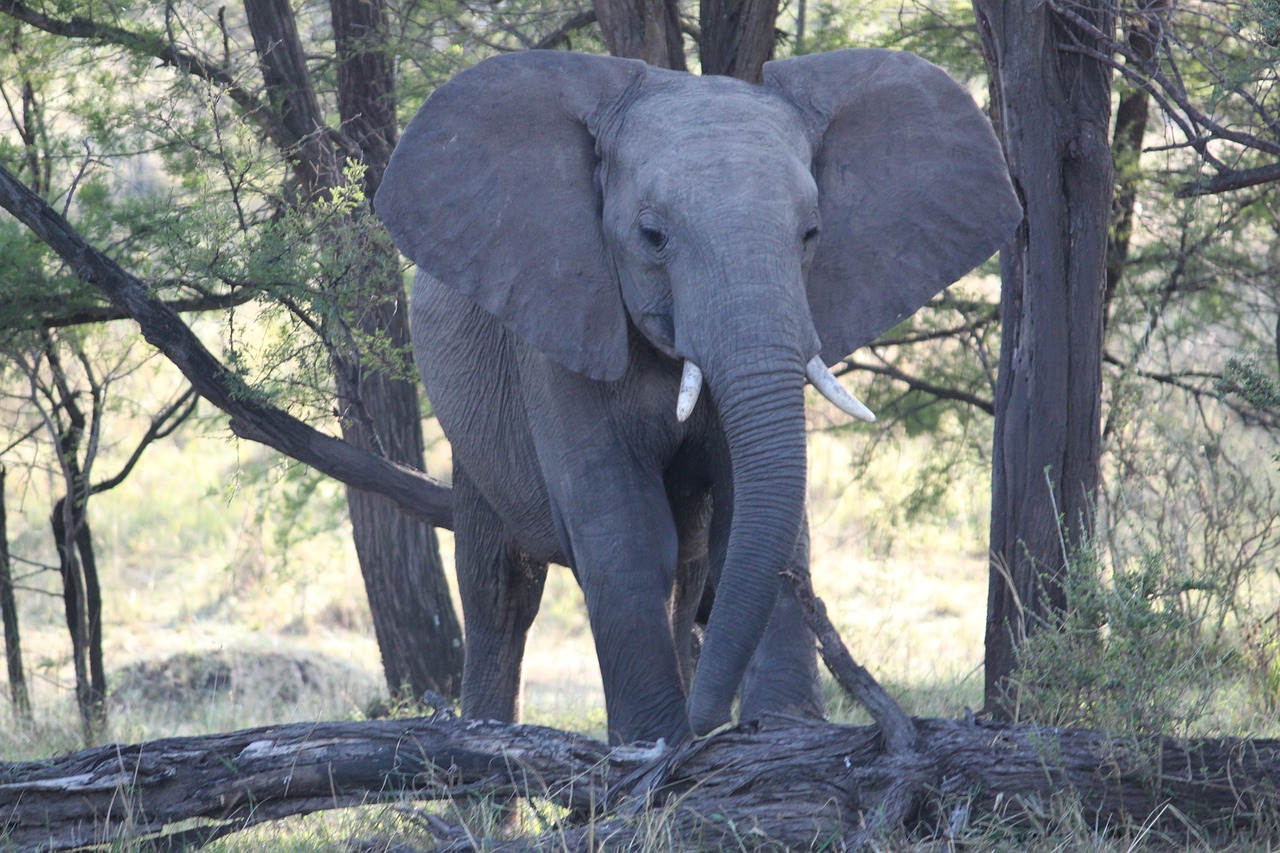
{"points": [[492, 192], [913, 187]]}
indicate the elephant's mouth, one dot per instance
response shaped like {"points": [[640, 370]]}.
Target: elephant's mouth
{"points": [[816, 372]]}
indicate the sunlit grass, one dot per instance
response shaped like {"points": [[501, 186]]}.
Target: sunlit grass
{"points": [[195, 569]]}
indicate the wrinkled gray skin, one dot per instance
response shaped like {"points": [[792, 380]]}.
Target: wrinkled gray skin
{"points": [[581, 226]]}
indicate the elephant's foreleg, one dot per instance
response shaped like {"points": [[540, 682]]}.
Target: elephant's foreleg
{"points": [[501, 588], [624, 549], [783, 675]]}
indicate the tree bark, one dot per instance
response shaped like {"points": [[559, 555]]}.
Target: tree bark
{"points": [[77, 564], [82, 603], [9, 615], [804, 784], [643, 29], [366, 84], [1053, 108], [1143, 37], [737, 37], [291, 95], [419, 637], [418, 633]]}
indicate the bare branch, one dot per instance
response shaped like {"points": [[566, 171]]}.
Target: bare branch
{"points": [[1230, 180], [154, 45], [939, 334], [162, 426], [413, 491], [1164, 82], [1248, 414], [917, 384], [45, 309], [561, 33]]}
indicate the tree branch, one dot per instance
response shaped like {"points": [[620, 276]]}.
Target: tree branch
{"points": [[1235, 179], [1248, 414], [790, 783], [156, 46], [938, 334], [920, 385], [413, 491], [895, 726], [46, 310], [1197, 126], [162, 425], [561, 33]]}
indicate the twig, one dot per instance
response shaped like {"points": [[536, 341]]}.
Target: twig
{"points": [[88, 158], [895, 726]]}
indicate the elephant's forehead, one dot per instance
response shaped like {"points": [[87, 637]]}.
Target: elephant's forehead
{"points": [[700, 118]]}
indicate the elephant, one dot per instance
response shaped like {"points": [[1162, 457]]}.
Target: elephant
{"points": [[625, 276]]}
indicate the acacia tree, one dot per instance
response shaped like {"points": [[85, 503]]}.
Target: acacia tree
{"points": [[1210, 68], [734, 37], [1053, 109], [67, 400], [356, 309], [418, 633]]}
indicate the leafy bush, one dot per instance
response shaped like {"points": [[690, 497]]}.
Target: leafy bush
{"points": [[1126, 658]]}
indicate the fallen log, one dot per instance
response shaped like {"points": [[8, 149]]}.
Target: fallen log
{"points": [[801, 783]]}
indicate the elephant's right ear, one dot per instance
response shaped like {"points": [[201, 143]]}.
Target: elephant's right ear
{"points": [[912, 185], [492, 191]]}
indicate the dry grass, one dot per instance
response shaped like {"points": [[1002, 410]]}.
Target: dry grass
{"points": [[212, 623]]}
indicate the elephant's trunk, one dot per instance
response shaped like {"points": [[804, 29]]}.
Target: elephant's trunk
{"points": [[760, 396]]}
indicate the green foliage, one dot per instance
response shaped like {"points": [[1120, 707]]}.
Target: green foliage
{"points": [[944, 356], [1259, 22], [941, 31], [438, 38], [1244, 376], [1125, 658]]}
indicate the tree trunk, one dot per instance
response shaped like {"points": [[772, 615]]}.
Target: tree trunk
{"points": [[292, 96], [418, 632], [82, 601], [1053, 108], [737, 37], [9, 615], [803, 784], [366, 84], [1142, 36], [643, 29]]}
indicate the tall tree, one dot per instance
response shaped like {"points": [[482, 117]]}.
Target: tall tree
{"points": [[417, 629], [1053, 108], [643, 29], [735, 37], [418, 632], [18, 692], [364, 323]]}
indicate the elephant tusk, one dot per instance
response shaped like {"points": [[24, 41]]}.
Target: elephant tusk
{"points": [[690, 388], [827, 384]]}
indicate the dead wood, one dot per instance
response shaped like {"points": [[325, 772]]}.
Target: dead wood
{"points": [[800, 783], [797, 783]]}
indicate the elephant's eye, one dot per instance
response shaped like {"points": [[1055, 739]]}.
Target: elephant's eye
{"points": [[655, 238], [811, 234]]}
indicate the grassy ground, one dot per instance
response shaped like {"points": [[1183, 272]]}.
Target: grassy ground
{"points": [[221, 613]]}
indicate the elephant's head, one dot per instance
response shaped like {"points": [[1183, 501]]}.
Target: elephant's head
{"points": [[753, 231]]}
